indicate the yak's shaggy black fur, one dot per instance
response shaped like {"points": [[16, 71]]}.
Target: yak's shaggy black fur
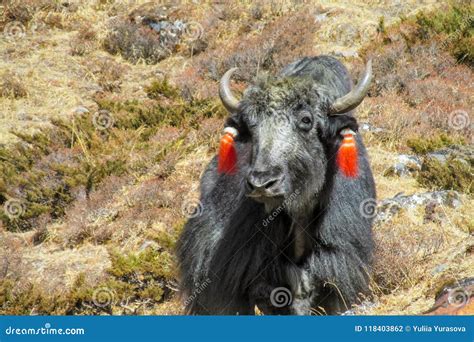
{"points": [[238, 253]]}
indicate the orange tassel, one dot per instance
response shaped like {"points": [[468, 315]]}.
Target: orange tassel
{"points": [[227, 162], [347, 158]]}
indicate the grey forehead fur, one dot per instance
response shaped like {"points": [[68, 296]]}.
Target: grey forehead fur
{"points": [[271, 94]]}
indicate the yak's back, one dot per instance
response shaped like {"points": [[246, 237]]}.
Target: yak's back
{"points": [[325, 70]]}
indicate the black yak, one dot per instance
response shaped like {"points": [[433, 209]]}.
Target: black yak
{"points": [[283, 229]]}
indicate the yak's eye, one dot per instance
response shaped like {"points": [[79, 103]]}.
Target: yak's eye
{"points": [[306, 121]]}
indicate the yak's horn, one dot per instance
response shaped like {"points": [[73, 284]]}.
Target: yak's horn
{"points": [[352, 99], [229, 101]]}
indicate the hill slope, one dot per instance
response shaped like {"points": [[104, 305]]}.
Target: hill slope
{"points": [[108, 121]]}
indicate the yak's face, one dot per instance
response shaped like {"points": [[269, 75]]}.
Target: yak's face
{"points": [[293, 125], [286, 123]]}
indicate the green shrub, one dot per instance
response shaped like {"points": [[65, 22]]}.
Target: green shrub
{"points": [[456, 26], [425, 145], [454, 174], [161, 88], [133, 278]]}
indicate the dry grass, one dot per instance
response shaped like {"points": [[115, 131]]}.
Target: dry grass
{"points": [[106, 72], [410, 259]]}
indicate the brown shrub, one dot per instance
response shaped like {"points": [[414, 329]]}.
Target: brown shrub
{"points": [[402, 246], [418, 86], [194, 85], [21, 11], [282, 41], [89, 216], [24, 11], [83, 42], [107, 73], [135, 42], [54, 20], [12, 86]]}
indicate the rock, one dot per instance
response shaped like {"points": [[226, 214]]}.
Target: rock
{"points": [[455, 299], [319, 18], [387, 208], [460, 153], [439, 269], [102, 214], [441, 156], [23, 116], [361, 309], [406, 165], [169, 32], [80, 110], [149, 244], [366, 127], [165, 21], [346, 53]]}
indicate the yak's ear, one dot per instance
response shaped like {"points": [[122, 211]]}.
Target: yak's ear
{"points": [[234, 120], [339, 122]]}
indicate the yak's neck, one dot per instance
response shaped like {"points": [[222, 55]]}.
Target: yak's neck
{"points": [[299, 241], [303, 236], [305, 223]]}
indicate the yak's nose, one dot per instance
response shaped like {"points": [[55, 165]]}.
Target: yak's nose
{"points": [[265, 183]]}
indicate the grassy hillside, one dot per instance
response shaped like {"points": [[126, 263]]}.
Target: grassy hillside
{"points": [[107, 123]]}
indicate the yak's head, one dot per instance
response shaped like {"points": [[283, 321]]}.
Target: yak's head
{"points": [[293, 126]]}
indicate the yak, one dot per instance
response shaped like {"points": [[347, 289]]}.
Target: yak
{"points": [[282, 229]]}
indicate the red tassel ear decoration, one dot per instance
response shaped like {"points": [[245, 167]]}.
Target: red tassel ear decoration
{"points": [[227, 162], [347, 159]]}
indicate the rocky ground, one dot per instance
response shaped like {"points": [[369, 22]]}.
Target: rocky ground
{"points": [[109, 115]]}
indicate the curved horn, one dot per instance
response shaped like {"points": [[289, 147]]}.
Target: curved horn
{"points": [[229, 101], [352, 99]]}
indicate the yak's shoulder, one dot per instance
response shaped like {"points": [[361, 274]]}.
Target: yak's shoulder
{"points": [[313, 65], [325, 70]]}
